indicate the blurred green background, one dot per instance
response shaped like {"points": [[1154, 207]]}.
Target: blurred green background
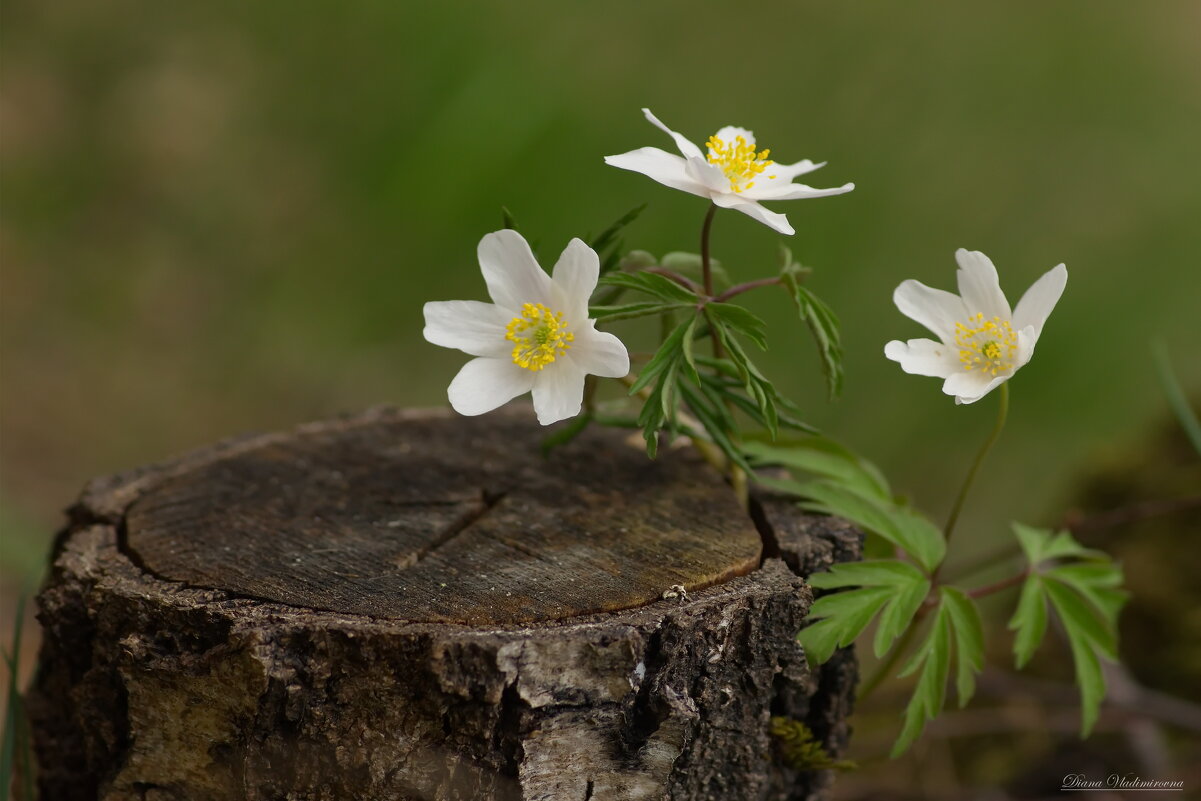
{"points": [[224, 217]]}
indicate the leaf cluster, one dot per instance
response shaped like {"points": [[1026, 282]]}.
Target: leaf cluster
{"points": [[837, 482], [1083, 587], [713, 390]]}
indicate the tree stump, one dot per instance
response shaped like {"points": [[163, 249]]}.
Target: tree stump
{"points": [[417, 606]]}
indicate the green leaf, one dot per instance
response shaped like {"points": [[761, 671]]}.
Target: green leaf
{"points": [[506, 219], [1040, 544], [1090, 680], [969, 641], [653, 284], [660, 374], [1029, 620], [820, 640], [873, 573], [607, 239], [934, 658], [667, 353], [1185, 414], [826, 458], [1098, 582], [899, 614], [905, 585], [1088, 637], [1076, 616], [899, 525], [821, 320], [716, 421], [741, 320], [846, 616], [629, 311], [757, 387]]}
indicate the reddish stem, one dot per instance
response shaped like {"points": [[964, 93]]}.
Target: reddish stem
{"points": [[738, 289]]}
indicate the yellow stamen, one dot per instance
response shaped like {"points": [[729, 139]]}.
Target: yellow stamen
{"points": [[739, 161], [987, 345], [541, 336]]}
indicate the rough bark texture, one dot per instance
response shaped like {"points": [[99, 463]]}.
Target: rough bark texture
{"points": [[252, 622]]}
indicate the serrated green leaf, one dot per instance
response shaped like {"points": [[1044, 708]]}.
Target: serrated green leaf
{"points": [[822, 323], [826, 458], [873, 573], [1087, 635], [1041, 544], [1099, 583], [686, 347], [630, 311], [668, 352], [820, 641], [899, 525], [1029, 620], [848, 612], [606, 243], [905, 587], [898, 615], [716, 423], [934, 658], [969, 641], [741, 320], [653, 284], [1076, 616], [1090, 680]]}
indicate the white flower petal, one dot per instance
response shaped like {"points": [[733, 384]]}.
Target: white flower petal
{"points": [[936, 309], [979, 286], [969, 387], [780, 191], [600, 353], [923, 357], [485, 384], [511, 271], [773, 220], [1027, 339], [1037, 304], [574, 279], [786, 172], [558, 391], [707, 175], [659, 165], [686, 147], [467, 325], [731, 132]]}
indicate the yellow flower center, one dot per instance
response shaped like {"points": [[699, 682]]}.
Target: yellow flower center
{"points": [[988, 345], [739, 161], [541, 336]]}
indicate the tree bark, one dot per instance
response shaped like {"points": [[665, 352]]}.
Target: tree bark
{"points": [[410, 606]]}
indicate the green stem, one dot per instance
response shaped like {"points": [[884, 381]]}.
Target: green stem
{"points": [[706, 267], [1002, 412]]}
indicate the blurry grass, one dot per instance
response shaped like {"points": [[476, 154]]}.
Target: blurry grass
{"points": [[225, 217], [16, 748]]}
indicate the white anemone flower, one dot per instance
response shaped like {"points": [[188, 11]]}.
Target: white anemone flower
{"points": [[981, 343], [731, 173], [535, 336]]}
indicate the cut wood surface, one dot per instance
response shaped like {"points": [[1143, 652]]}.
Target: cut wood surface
{"points": [[408, 606], [444, 519]]}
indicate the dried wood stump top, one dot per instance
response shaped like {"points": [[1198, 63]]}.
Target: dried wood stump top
{"points": [[432, 518]]}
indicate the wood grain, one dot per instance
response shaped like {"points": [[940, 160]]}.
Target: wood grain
{"points": [[431, 518]]}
